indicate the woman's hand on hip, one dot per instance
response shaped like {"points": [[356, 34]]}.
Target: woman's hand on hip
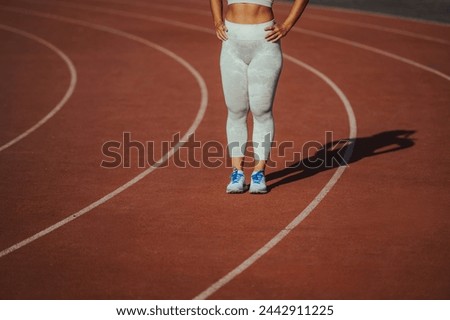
{"points": [[221, 31], [276, 32]]}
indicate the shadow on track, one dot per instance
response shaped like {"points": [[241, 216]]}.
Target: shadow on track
{"points": [[331, 155]]}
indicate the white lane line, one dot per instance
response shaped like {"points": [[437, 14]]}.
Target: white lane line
{"points": [[190, 131], [380, 15], [334, 179], [161, 6], [311, 206], [302, 30], [374, 50], [357, 12], [352, 123], [65, 98], [379, 28], [308, 16], [122, 13]]}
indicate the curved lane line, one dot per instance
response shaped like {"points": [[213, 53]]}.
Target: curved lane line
{"points": [[374, 50], [352, 135], [308, 16], [190, 131], [380, 15], [379, 28], [360, 12], [352, 122], [65, 98], [302, 30], [312, 205]]}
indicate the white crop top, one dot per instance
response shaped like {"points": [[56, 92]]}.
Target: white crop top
{"points": [[266, 3]]}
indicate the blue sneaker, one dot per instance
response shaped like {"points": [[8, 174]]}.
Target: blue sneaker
{"points": [[237, 182], [258, 182]]}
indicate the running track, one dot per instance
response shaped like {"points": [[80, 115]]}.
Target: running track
{"points": [[77, 74]]}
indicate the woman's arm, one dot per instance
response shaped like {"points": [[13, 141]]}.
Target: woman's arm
{"points": [[217, 14], [279, 31]]}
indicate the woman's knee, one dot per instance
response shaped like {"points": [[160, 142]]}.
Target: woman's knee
{"points": [[261, 108], [262, 116], [237, 112]]}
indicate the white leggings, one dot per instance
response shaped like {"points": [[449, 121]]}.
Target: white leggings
{"points": [[250, 68]]}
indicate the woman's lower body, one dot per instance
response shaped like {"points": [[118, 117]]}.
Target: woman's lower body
{"points": [[250, 68]]}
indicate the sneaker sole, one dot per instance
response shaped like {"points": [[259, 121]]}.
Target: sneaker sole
{"points": [[258, 191], [235, 191], [246, 188]]}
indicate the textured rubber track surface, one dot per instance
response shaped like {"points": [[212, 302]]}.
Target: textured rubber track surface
{"points": [[381, 232]]}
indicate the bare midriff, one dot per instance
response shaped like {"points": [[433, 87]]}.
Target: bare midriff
{"points": [[247, 13]]}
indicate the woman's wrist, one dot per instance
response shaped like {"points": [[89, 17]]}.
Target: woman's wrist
{"points": [[287, 26], [218, 23]]}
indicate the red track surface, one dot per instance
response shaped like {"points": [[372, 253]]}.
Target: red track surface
{"points": [[380, 233]]}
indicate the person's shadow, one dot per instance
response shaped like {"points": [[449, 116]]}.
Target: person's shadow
{"points": [[340, 153]]}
